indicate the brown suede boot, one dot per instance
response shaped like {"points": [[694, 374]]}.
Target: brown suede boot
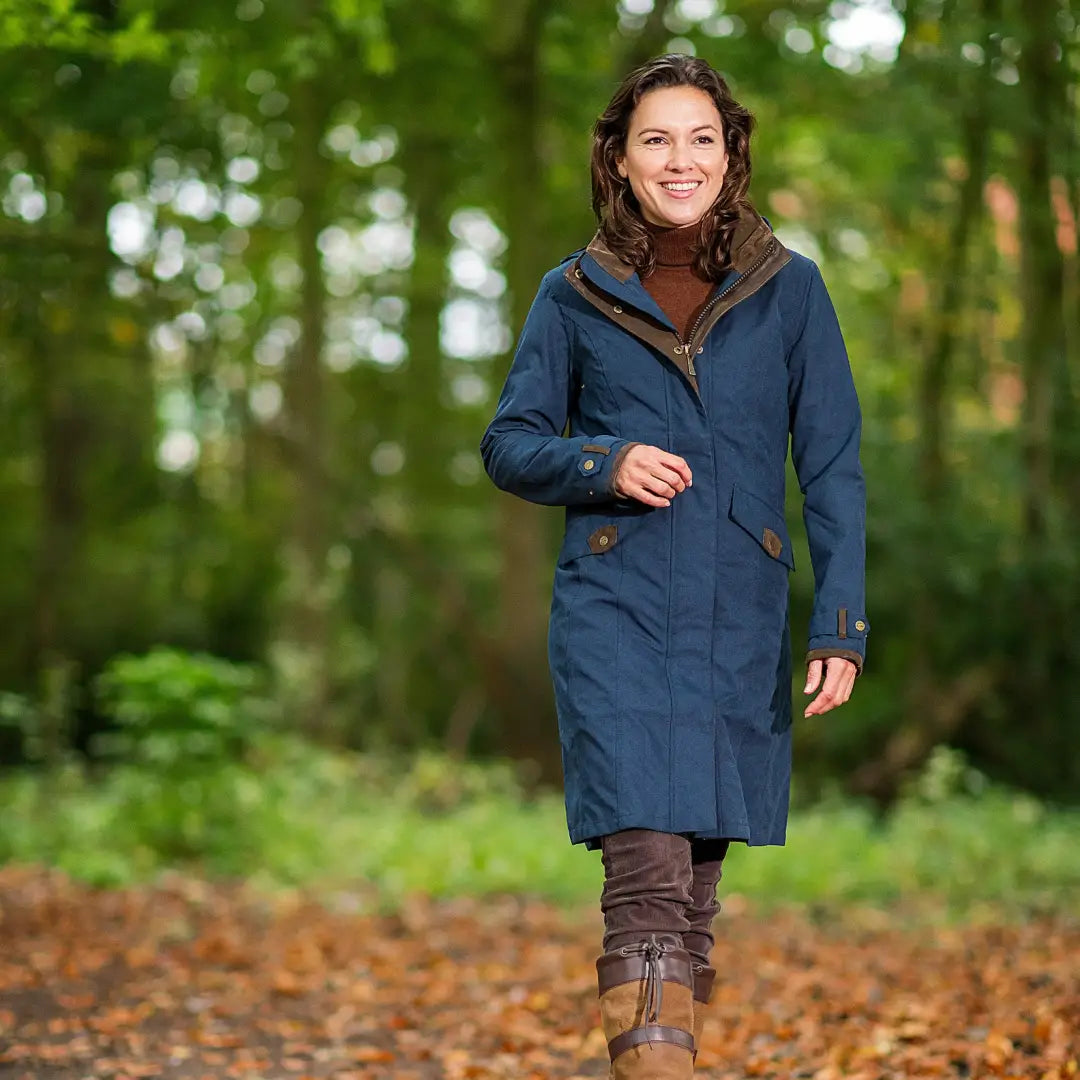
{"points": [[647, 1009], [703, 985]]}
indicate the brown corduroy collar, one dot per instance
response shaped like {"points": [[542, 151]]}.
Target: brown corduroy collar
{"points": [[752, 233]]}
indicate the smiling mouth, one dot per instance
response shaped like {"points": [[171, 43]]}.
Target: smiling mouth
{"points": [[681, 185]]}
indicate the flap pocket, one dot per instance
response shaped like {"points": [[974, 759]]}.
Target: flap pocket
{"points": [[764, 523], [596, 534]]}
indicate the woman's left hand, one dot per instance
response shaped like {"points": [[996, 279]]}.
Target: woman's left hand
{"points": [[839, 680]]}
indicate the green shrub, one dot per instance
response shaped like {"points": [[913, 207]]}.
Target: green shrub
{"points": [[180, 711], [183, 778], [19, 717]]}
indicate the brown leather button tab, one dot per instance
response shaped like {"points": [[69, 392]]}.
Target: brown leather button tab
{"points": [[772, 543], [603, 539]]}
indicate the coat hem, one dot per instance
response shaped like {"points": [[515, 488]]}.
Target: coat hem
{"points": [[591, 837]]}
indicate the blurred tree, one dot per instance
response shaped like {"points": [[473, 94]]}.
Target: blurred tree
{"points": [[261, 271]]}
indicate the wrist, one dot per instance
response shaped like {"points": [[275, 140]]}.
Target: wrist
{"points": [[616, 468]]}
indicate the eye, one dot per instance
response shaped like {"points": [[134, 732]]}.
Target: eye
{"points": [[654, 139], [705, 139]]}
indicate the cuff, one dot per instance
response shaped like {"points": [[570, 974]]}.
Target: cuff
{"points": [[845, 654], [594, 467]]}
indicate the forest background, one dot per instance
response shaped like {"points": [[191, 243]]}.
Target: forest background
{"points": [[262, 265]]}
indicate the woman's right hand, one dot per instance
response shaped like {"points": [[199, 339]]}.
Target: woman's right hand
{"points": [[651, 475]]}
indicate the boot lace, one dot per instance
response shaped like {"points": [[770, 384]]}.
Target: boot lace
{"points": [[652, 950]]}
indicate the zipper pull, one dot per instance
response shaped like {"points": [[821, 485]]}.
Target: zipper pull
{"points": [[684, 348]]}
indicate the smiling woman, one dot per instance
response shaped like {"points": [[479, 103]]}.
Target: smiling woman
{"points": [[683, 348]]}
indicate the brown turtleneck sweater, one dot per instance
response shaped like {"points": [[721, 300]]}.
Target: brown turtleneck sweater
{"points": [[673, 284]]}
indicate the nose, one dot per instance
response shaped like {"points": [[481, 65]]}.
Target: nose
{"points": [[679, 158]]}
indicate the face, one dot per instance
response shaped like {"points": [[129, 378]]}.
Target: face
{"points": [[675, 158]]}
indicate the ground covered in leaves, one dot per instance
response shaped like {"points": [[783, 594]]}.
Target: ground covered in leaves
{"points": [[192, 980]]}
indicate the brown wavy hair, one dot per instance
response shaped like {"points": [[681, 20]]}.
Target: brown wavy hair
{"points": [[617, 209]]}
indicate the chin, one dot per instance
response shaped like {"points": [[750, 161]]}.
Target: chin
{"points": [[680, 214], [676, 219]]}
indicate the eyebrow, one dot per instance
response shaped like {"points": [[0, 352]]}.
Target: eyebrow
{"points": [[664, 131]]}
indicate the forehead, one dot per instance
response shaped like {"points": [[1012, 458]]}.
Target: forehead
{"points": [[673, 107]]}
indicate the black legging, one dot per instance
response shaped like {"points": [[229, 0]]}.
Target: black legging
{"points": [[660, 883]]}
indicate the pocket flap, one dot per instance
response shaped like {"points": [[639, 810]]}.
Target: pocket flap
{"points": [[595, 534], [764, 523]]}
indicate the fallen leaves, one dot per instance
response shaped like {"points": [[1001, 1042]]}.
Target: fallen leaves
{"points": [[190, 980]]}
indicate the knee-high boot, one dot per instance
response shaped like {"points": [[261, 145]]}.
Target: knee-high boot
{"points": [[647, 1009]]}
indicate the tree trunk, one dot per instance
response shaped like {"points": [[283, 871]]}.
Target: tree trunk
{"points": [[1042, 337], [522, 697], [307, 627], [1042, 278]]}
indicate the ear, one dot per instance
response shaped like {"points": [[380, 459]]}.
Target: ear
{"points": [[620, 164]]}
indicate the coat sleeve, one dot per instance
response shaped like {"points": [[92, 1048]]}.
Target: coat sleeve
{"points": [[826, 425], [523, 448]]}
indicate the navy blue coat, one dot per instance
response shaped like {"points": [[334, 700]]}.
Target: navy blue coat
{"points": [[668, 642]]}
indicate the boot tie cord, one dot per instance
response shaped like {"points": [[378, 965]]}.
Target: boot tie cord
{"points": [[652, 950]]}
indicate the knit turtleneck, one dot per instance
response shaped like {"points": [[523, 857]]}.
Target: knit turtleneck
{"points": [[673, 246], [673, 284]]}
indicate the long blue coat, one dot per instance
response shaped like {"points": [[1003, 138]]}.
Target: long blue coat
{"points": [[669, 643]]}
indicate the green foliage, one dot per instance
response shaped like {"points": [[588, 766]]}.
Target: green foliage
{"points": [[387, 827], [68, 25], [177, 712], [55, 23], [183, 778], [18, 719]]}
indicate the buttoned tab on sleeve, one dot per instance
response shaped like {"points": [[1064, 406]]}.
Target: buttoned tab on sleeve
{"points": [[826, 426], [523, 448]]}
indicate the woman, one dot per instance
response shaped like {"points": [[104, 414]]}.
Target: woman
{"points": [[684, 346]]}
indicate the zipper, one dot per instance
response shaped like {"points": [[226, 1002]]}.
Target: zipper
{"points": [[685, 345]]}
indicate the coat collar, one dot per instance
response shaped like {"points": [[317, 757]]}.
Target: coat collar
{"points": [[752, 233], [608, 283]]}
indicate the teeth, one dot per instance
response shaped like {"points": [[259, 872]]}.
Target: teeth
{"points": [[687, 186]]}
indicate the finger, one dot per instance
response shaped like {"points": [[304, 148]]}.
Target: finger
{"points": [[669, 476], [836, 688], [852, 676], [678, 465], [813, 676], [821, 704], [826, 699], [835, 671], [847, 681], [659, 487], [643, 495]]}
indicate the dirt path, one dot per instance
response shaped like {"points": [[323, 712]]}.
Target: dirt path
{"points": [[189, 980]]}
